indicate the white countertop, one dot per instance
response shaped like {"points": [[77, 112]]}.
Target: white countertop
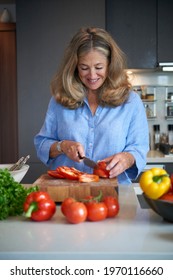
{"points": [[159, 157], [134, 234]]}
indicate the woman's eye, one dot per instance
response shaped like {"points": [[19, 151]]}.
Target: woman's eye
{"points": [[83, 68], [96, 68]]}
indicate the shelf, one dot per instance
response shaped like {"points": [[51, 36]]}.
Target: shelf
{"points": [[149, 101], [168, 118], [169, 93], [162, 104], [151, 118], [168, 101]]}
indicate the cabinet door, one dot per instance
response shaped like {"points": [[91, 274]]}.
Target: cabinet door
{"points": [[165, 31], [8, 96], [132, 23]]}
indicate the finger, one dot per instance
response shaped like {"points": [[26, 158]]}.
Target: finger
{"points": [[114, 161], [116, 170]]}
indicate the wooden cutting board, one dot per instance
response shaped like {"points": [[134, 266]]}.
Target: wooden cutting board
{"points": [[59, 189]]}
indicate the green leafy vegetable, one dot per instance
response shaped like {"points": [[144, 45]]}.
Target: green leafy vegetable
{"points": [[12, 195]]}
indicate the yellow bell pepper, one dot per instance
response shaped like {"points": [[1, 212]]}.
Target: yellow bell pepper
{"points": [[155, 182]]}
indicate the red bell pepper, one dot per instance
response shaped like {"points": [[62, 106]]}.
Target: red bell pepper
{"points": [[39, 206], [101, 170], [55, 174]]}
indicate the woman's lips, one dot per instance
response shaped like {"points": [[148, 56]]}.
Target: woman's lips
{"points": [[93, 81]]}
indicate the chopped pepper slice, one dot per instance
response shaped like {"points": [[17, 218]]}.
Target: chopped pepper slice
{"points": [[155, 182], [69, 173], [87, 178], [39, 206], [101, 170], [55, 174]]}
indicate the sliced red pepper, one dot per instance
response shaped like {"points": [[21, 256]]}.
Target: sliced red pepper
{"points": [[76, 171], [68, 172], [55, 174], [39, 206], [71, 173], [86, 178]]}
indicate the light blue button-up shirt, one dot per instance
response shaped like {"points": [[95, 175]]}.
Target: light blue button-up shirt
{"points": [[107, 132]]}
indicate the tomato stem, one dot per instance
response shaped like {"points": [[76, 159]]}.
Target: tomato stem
{"points": [[97, 198]]}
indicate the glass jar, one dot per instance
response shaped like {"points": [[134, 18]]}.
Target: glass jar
{"points": [[156, 141], [170, 134]]}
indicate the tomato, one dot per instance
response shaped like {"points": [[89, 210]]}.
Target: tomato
{"points": [[88, 178], [68, 172], [167, 196], [64, 205], [55, 174], [97, 211], [112, 205], [100, 170], [76, 212]]}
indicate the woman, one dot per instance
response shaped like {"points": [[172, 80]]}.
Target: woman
{"points": [[93, 111]]}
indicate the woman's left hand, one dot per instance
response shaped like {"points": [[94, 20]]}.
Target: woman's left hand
{"points": [[118, 163]]}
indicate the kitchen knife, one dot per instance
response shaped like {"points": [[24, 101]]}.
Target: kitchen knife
{"points": [[88, 161]]}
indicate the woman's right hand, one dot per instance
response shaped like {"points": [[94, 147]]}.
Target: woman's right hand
{"points": [[72, 150]]}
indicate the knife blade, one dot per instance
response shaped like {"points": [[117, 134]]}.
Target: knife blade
{"points": [[88, 161]]}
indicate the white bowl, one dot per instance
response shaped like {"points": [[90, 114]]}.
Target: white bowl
{"points": [[18, 174]]}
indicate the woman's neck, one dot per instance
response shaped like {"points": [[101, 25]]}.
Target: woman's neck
{"points": [[93, 101]]}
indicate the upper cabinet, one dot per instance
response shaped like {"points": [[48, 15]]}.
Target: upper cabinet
{"points": [[142, 30], [165, 31]]}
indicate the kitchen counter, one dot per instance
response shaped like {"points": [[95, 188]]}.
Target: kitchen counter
{"points": [[135, 233], [158, 157]]}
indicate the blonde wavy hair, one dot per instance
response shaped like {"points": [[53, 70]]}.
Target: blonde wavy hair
{"points": [[66, 86]]}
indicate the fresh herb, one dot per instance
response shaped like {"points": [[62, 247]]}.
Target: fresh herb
{"points": [[12, 195]]}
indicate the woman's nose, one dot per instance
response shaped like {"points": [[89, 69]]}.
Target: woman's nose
{"points": [[92, 72]]}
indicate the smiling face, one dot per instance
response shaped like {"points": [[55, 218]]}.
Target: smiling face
{"points": [[92, 69]]}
